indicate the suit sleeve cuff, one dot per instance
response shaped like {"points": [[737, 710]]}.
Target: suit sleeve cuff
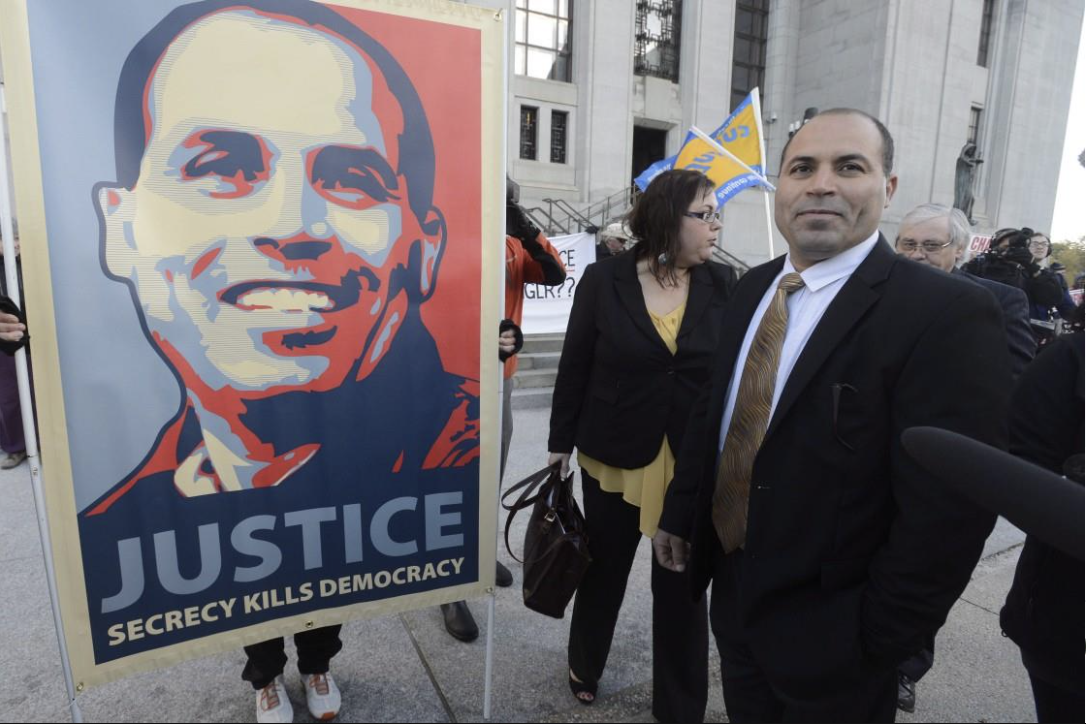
{"points": [[675, 520]]}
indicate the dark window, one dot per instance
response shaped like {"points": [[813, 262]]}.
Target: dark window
{"points": [[657, 38], [974, 123], [544, 41], [985, 33], [748, 52], [559, 122], [529, 131]]}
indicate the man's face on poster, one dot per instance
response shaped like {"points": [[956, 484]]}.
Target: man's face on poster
{"points": [[269, 235]]}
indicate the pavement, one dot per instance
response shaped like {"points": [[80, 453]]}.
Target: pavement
{"points": [[406, 668]]}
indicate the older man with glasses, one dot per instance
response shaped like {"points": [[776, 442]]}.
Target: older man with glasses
{"points": [[937, 235]]}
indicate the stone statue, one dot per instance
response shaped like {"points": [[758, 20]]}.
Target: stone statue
{"points": [[964, 175]]}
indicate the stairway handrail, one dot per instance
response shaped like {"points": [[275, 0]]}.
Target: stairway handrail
{"points": [[552, 226], [731, 260], [571, 212]]}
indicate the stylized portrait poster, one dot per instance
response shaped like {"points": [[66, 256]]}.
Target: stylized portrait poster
{"points": [[263, 311]]}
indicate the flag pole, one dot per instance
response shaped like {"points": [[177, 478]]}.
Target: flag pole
{"points": [[717, 147], [756, 101]]}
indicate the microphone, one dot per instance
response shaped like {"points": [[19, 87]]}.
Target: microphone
{"points": [[1036, 500]]}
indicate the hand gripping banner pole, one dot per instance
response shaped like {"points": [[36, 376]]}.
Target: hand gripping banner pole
{"points": [[26, 403]]}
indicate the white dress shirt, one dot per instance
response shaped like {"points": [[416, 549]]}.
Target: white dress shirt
{"points": [[822, 282]]}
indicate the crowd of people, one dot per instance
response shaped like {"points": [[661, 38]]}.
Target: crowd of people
{"points": [[751, 428]]}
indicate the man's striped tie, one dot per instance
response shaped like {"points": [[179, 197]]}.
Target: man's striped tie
{"points": [[750, 419]]}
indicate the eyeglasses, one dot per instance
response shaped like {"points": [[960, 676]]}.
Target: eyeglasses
{"points": [[707, 216], [1039, 244], [929, 247]]}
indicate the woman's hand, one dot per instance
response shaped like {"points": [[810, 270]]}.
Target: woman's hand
{"points": [[12, 330], [560, 458], [507, 342]]}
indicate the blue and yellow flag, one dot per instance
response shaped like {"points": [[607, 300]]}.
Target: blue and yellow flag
{"points": [[739, 134]]}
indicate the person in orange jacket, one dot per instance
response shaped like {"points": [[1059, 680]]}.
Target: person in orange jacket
{"points": [[530, 258]]}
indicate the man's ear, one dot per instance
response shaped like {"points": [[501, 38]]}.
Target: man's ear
{"points": [[891, 187], [433, 249], [116, 207]]}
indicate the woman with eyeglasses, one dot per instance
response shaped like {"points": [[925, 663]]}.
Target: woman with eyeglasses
{"points": [[638, 348]]}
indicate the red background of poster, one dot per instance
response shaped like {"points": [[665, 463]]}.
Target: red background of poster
{"points": [[444, 62]]}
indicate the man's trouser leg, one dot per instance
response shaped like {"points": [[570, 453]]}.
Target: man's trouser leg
{"points": [[921, 662], [856, 693], [267, 659], [507, 421], [613, 538]]}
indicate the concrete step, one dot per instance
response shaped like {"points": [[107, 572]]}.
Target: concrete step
{"points": [[538, 360], [533, 379], [534, 343], [532, 399]]}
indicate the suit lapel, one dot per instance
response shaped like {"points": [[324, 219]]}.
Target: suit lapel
{"points": [[857, 295], [697, 300], [629, 291]]}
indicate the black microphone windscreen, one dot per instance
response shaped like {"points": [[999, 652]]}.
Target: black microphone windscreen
{"points": [[1036, 500]]}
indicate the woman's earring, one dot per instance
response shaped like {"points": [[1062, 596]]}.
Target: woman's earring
{"points": [[662, 259]]}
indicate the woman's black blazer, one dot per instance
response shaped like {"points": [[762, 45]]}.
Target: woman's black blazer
{"points": [[619, 389]]}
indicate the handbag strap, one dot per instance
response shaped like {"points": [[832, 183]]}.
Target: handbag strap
{"points": [[528, 486]]}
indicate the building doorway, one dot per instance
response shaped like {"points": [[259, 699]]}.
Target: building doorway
{"points": [[649, 146]]}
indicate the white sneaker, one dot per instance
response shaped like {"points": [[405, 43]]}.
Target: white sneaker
{"points": [[322, 696], [273, 704]]}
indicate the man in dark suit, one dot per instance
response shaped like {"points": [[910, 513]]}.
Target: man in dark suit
{"points": [[937, 235], [831, 553]]}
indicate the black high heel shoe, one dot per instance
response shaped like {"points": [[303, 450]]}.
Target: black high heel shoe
{"points": [[582, 692]]}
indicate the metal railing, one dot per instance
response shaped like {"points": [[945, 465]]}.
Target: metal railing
{"points": [[617, 204], [561, 217], [545, 221], [571, 213], [731, 260]]}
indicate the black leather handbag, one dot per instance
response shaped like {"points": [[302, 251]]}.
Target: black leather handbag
{"points": [[555, 545]]}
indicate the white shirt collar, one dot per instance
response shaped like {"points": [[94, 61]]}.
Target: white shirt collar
{"points": [[835, 268]]}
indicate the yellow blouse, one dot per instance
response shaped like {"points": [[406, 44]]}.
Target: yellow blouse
{"points": [[644, 487]]}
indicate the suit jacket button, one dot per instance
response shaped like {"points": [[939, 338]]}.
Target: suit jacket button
{"points": [[671, 370]]}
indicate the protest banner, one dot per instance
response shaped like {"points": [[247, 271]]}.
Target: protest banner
{"points": [[264, 324], [546, 309]]}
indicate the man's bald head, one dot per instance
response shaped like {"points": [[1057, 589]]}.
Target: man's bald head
{"points": [[887, 139], [132, 115]]}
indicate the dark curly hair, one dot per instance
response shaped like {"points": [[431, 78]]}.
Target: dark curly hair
{"points": [[656, 219]]}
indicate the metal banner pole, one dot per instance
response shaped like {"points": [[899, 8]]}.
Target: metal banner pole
{"points": [[26, 402], [506, 13], [489, 657]]}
